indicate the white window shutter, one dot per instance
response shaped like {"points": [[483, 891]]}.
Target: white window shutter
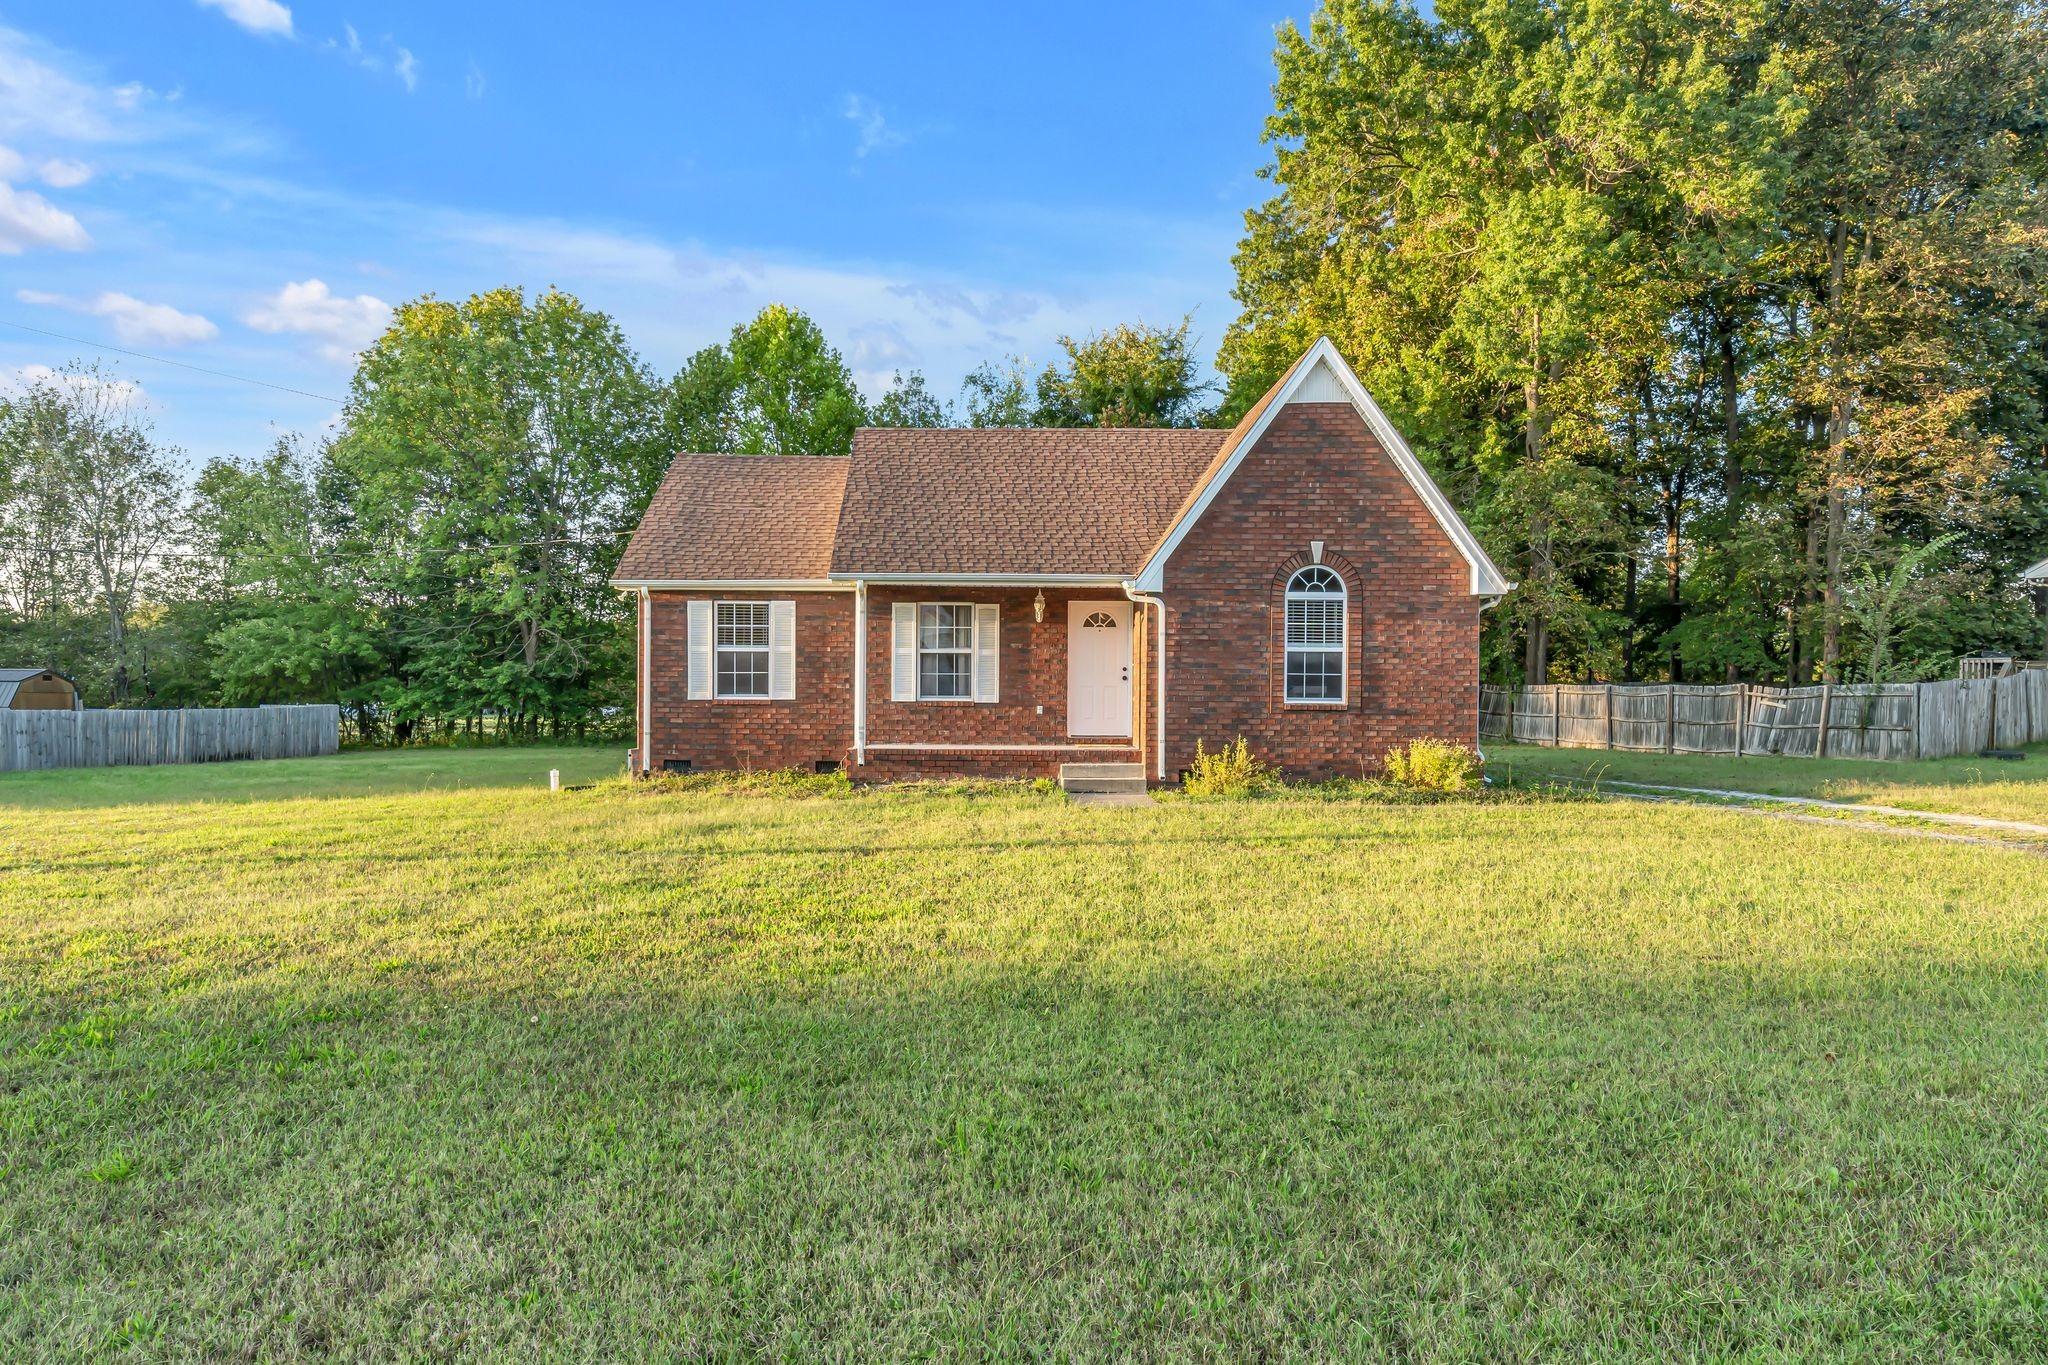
{"points": [[782, 650], [700, 651], [903, 651], [988, 626]]}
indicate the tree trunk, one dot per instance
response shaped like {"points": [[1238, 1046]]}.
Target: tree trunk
{"points": [[1674, 514], [1731, 426], [1628, 613]]}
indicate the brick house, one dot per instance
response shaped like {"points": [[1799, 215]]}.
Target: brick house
{"points": [[1008, 601]]}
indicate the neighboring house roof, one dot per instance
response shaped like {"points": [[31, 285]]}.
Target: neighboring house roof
{"points": [[2037, 574], [724, 518], [1012, 501]]}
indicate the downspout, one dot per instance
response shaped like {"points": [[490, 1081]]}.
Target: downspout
{"points": [[1486, 604], [860, 673], [646, 682], [1159, 681]]}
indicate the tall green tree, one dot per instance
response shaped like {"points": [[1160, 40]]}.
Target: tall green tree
{"points": [[1128, 376], [775, 387], [494, 454]]}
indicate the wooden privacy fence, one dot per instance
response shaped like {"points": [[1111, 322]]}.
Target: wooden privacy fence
{"points": [[1891, 720], [31, 740]]}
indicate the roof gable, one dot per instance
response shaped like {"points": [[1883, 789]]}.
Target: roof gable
{"points": [[2037, 574], [1320, 376]]}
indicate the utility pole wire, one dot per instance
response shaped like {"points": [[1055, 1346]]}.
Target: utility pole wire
{"points": [[143, 355]]}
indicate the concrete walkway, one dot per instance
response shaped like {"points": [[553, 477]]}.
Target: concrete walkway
{"points": [[1852, 807], [1111, 799]]}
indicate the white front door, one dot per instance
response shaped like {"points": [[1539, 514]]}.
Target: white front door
{"points": [[1099, 668]]}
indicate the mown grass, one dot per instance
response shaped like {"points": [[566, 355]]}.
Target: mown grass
{"points": [[612, 1074], [352, 772], [2001, 789]]}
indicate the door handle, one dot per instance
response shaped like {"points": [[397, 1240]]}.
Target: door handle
{"points": [[1127, 673]]}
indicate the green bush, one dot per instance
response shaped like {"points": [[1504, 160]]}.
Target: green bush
{"points": [[1434, 766], [1233, 770]]}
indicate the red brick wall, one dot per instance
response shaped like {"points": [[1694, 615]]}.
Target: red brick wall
{"points": [[1318, 473], [1032, 677], [817, 723]]}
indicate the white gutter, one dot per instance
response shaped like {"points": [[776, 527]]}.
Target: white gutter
{"points": [[860, 673], [1159, 681], [731, 585], [993, 580], [646, 698]]}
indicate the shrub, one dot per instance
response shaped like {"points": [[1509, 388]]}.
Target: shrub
{"points": [[1233, 770], [1434, 766]]}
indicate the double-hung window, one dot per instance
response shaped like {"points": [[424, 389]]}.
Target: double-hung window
{"points": [[945, 651], [1315, 636], [742, 650]]}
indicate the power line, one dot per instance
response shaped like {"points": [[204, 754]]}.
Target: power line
{"points": [[161, 360]]}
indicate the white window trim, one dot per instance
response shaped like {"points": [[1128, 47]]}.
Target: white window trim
{"points": [[767, 650], [1343, 650], [917, 660]]}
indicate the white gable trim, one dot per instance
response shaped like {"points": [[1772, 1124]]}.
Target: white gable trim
{"points": [[1321, 376], [2037, 574]]}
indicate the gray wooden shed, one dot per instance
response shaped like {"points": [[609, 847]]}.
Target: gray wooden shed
{"points": [[36, 689]]}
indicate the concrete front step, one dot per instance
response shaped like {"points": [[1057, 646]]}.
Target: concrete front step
{"points": [[1102, 778]]}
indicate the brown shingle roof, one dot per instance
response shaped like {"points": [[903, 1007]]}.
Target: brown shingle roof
{"points": [[738, 517], [1013, 500]]}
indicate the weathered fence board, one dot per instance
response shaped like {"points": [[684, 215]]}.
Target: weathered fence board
{"points": [[31, 740], [1887, 721]]}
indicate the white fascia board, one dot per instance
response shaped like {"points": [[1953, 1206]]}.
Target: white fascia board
{"points": [[1487, 580], [992, 580], [731, 585], [2037, 574]]}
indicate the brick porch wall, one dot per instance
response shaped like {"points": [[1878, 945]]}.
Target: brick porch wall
{"points": [[1032, 682], [1318, 473], [816, 724]]}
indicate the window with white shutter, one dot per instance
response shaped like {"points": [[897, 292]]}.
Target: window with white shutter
{"points": [[782, 650], [698, 651], [988, 619], [903, 651]]}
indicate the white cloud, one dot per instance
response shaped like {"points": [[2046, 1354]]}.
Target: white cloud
{"points": [[135, 322], [473, 81], [117, 392], [400, 61], [55, 172], [62, 174], [258, 16], [29, 221], [310, 308], [875, 132]]}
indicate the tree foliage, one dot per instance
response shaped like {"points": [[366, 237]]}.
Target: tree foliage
{"points": [[1697, 309]]}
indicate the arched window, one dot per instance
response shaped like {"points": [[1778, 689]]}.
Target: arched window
{"points": [[1315, 636]]}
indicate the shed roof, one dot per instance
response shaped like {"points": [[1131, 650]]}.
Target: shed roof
{"points": [[11, 680], [2037, 574]]}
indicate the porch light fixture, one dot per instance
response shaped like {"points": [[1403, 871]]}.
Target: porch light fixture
{"points": [[1038, 605]]}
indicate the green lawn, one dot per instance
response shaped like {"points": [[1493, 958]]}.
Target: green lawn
{"points": [[2003, 790], [353, 772], [613, 1074]]}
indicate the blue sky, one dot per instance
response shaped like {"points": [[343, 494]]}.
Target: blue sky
{"points": [[246, 185]]}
